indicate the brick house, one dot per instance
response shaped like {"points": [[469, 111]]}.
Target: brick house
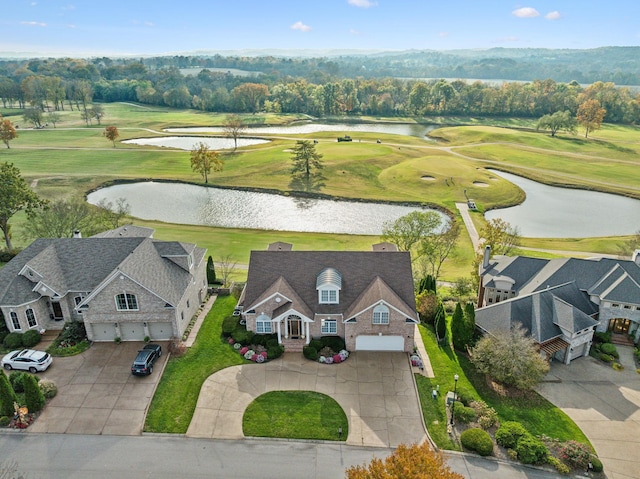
{"points": [[560, 302], [365, 297], [121, 283]]}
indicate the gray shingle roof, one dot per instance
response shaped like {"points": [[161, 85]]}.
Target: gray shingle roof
{"points": [[520, 268], [130, 231], [358, 270]]}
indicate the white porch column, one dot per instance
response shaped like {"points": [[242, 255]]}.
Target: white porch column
{"points": [[279, 332]]}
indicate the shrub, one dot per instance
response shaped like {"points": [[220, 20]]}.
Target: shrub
{"points": [[477, 440], [48, 388], [618, 366], [310, 353], [601, 337], [4, 421], [531, 450], [464, 414], [336, 343], [13, 341], [33, 397], [7, 396], [64, 351], [610, 349], [275, 351], [16, 378], [508, 434], [315, 344], [513, 455], [272, 343], [487, 416], [561, 467], [596, 464], [465, 397], [31, 338], [576, 454], [229, 324], [240, 335], [605, 357], [73, 332]]}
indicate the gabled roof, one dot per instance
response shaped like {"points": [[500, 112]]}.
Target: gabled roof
{"points": [[378, 290], [519, 268], [130, 231], [617, 286], [543, 314], [282, 288], [358, 270]]}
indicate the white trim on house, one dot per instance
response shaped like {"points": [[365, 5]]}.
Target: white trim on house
{"points": [[273, 296], [378, 302]]}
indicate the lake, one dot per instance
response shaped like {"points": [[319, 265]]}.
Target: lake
{"points": [[198, 205], [553, 212], [188, 142]]}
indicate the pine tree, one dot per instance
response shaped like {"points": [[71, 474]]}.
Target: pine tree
{"points": [[33, 397], [211, 271], [470, 322], [440, 322], [458, 332], [7, 396]]}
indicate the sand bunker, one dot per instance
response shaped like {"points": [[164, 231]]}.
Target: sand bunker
{"points": [[481, 184], [427, 178]]}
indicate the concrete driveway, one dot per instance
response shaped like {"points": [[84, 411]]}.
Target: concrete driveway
{"points": [[376, 391], [605, 404], [97, 394]]}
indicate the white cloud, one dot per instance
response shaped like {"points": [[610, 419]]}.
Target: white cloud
{"points": [[71, 25], [362, 3], [443, 34], [300, 26], [69, 7], [526, 12], [552, 15], [355, 32], [34, 24], [33, 4], [149, 24]]}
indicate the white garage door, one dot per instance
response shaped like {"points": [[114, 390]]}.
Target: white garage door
{"points": [[159, 331], [132, 331], [379, 343], [102, 331]]}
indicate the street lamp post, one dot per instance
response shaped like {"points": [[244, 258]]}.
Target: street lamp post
{"points": [[455, 396]]}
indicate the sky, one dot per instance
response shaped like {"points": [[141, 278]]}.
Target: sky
{"points": [[143, 27]]}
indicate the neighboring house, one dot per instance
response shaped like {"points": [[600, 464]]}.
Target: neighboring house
{"points": [[121, 284], [366, 297], [560, 302]]}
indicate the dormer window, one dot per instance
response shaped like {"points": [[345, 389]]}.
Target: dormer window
{"points": [[328, 285], [381, 314]]}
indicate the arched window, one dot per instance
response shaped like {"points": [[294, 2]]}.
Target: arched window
{"points": [[14, 321], [381, 314], [31, 318], [126, 302], [263, 324]]}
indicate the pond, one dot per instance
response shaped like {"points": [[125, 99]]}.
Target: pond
{"points": [[553, 212], [188, 142], [407, 129], [198, 205]]}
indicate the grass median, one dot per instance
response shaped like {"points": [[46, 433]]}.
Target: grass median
{"points": [[177, 394]]}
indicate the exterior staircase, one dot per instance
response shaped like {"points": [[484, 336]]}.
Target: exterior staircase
{"points": [[621, 340], [293, 345]]}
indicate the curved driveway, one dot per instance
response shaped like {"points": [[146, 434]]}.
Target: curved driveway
{"points": [[376, 391]]}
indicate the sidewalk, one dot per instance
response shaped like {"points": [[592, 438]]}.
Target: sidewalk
{"points": [[203, 314], [468, 223], [426, 370]]}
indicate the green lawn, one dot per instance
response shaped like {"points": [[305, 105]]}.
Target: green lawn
{"points": [[295, 415], [535, 413], [177, 394]]}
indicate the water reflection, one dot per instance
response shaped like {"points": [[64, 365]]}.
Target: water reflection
{"points": [[553, 212], [189, 142], [191, 204]]}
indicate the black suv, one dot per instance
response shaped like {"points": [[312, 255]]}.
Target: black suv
{"points": [[143, 364]]}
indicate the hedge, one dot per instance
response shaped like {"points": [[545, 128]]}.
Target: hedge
{"points": [[509, 433], [477, 440]]}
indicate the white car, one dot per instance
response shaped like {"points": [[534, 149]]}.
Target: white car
{"points": [[27, 359]]}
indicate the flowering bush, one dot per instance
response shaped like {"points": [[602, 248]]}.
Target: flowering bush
{"points": [[337, 358], [260, 358], [243, 351], [231, 340], [322, 359], [249, 354], [237, 346], [576, 454], [344, 354], [329, 360], [264, 354]]}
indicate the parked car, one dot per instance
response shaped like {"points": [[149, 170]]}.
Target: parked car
{"points": [[345, 138], [143, 364], [28, 360]]}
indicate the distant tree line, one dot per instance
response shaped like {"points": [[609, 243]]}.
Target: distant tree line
{"points": [[47, 86]]}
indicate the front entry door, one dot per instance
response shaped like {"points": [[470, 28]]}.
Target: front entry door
{"points": [[620, 325], [294, 328], [57, 311]]}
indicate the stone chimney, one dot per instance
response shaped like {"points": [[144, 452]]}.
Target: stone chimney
{"points": [[77, 234], [486, 256], [635, 257]]}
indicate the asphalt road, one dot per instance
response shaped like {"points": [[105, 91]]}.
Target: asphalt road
{"points": [[72, 456]]}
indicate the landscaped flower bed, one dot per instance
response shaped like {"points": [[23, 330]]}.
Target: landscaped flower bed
{"points": [[253, 352], [326, 350]]}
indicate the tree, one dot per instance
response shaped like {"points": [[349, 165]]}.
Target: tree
{"points": [[61, 218], [33, 116], [463, 326], [233, 128], [33, 397], [111, 133], [15, 196], [7, 131], [251, 96], [408, 230], [204, 160], [427, 304], [54, 117], [437, 246], [111, 216], [306, 171], [428, 283], [440, 321], [511, 358], [97, 112], [560, 120], [413, 461], [227, 265], [211, 271], [590, 115], [628, 247], [500, 236], [7, 396]]}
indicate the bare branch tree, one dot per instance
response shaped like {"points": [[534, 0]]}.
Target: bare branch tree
{"points": [[225, 265]]}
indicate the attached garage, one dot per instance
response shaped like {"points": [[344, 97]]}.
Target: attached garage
{"points": [[132, 331], [101, 331], [379, 343], [160, 331]]}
